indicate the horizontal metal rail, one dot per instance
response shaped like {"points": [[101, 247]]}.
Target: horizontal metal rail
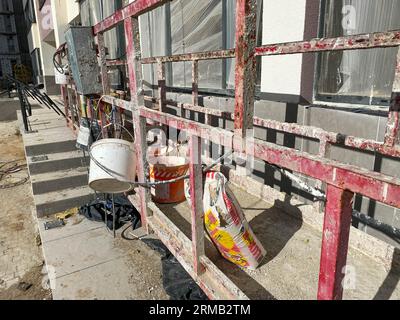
{"points": [[356, 42], [373, 185], [115, 63], [123, 104], [298, 130], [133, 9], [209, 55]]}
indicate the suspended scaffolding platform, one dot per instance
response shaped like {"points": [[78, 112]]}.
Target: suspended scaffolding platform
{"points": [[297, 265]]}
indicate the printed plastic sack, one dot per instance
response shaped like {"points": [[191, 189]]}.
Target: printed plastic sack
{"points": [[227, 225]]}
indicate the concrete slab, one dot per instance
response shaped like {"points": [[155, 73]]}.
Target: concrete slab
{"points": [[81, 251], [74, 226], [59, 180], [49, 148], [58, 201], [57, 168], [55, 162], [85, 262]]}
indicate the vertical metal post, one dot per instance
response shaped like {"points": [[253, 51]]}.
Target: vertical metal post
{"points": [[195, 99], [65, 100], [71, 107], [324, 152], [118, 121], [195, 82], [64, 95], [78, 106], [162, 89], [335, 241], [392, 136], [113, 214], [103, 64], [23, 107], [133, 51], [103, 118], [245, 72], [196, 196]]}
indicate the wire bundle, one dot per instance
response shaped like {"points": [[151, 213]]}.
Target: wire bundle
{"points": [[7, 169]]}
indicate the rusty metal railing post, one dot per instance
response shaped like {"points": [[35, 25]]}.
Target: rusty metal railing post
{"points": [[133, 50], [335, 243], [196, 196], [162, 85], [103, 64], [245, 70]]}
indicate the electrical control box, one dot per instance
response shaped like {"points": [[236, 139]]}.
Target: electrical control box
{"points": [[82, 57]]}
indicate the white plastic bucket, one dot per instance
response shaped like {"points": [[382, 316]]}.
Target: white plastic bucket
{"points": [[119, 157]]}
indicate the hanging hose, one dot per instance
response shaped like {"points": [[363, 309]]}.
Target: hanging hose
{"points": [[319, 195], [378, 225]]}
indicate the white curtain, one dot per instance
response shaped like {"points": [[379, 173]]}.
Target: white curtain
{"points": [[361, 73], [154, 40]]}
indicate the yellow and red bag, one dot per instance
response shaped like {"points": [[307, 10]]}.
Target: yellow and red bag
{"points": [[226, 224]]}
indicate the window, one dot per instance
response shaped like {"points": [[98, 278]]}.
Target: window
{"points": [[185, 26], [361, 76], [11, 44], [29, 13], [5, 6], [8, 24]]}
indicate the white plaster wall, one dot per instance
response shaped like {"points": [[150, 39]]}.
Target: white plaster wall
{"points": [[73, 10], [283, 21], [46, 54], [59, 12], [63, 13], [35, 36]]}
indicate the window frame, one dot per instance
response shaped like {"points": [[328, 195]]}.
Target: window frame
{"points": [[350, 101], [226, 63]]}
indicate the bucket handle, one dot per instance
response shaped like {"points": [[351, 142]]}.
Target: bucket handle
{"points": [[118, 125]]}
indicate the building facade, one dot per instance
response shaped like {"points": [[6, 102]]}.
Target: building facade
{"points": [[13, 43], [48, 21]]}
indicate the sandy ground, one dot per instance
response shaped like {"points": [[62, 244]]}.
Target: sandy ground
{"points": [[21, 260]]}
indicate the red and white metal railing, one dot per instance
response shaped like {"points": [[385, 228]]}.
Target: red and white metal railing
{"points": [[343, 180]]}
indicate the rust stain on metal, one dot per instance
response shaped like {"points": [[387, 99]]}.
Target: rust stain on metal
{"points": [[354, 42], [343, 180], [209, 55], [335, 242], [133, 9], [245, 69]]}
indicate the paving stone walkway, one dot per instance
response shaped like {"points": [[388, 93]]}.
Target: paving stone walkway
{"points": [[20, 250]]}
